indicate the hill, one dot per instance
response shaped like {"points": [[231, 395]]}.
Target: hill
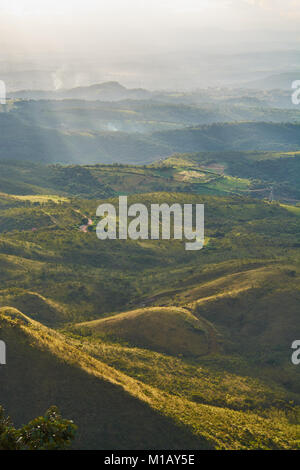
{"points": [[232, 136], [196, 344], [43, 252], [25, 142], [267, 92], [144, 116], [170, 330], [111, 409], [30, 142], [107, 91], [262, 170], [42, 369], [216, 173], [240, 313]]}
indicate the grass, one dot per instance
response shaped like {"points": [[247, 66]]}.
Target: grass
{"points": [[41, 198], [293, 209], [212, 426], [171, 330], [194, 346]]}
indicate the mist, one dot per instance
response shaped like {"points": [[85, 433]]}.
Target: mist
{"points": [[159, 44]]}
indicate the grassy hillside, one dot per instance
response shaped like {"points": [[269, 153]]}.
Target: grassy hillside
{"points": [[43, 251], [170, 330], [144, 344], [114, 410], [216, 173], [111, 410], [32, 179], [241, 314], [262, 171]]}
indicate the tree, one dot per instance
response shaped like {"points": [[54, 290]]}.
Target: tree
{"points": [[48, 432]]}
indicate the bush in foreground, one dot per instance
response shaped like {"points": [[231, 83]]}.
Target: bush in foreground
{"points": [[48, 432]]}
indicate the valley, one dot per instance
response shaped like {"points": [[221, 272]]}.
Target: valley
{"points": [[195, 326], [142, 343]]}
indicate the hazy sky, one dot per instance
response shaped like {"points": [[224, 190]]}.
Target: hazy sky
{"points": [[50, 24], [121, 31]]}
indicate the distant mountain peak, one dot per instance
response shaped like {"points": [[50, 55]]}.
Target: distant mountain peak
{"points": [[111, 85]]}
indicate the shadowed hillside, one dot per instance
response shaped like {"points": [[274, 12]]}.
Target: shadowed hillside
{"points": [[41, 370], [25, 142]]}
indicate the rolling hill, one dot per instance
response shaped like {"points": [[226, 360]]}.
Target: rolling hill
{"points": [[216, 173], [141, 343], [170, 330], [113, 410], [31, 142], [143, 116], [107, 91], [44, 369]]}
